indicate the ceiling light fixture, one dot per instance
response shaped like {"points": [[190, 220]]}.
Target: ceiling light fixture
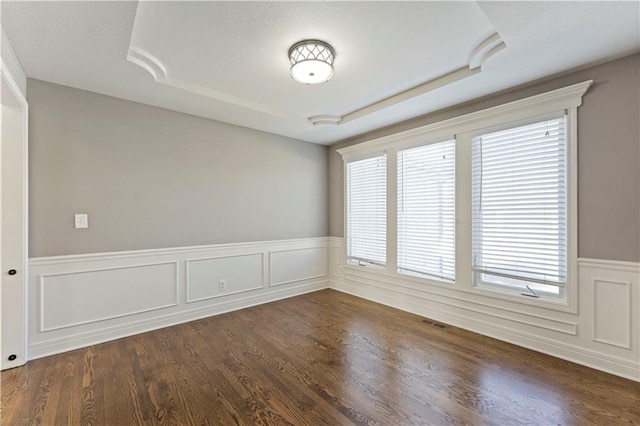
{"points": [[311, 61]]}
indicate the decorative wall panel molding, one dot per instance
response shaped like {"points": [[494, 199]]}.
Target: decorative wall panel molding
{"points": [[603, 334], [81, 300], [466, 304], [611, 292], [612, 313], [289, 266], [75, 298], [336, 257], [241, 273]]}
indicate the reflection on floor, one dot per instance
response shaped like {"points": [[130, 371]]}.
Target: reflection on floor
{"points": [[321, 358]]}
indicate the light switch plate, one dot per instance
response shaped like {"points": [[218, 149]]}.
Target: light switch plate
{"points": [[82, 220]]}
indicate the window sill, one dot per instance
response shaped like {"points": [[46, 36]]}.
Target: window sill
{"points": [[443, 288], [367, 266], [559, 303]]}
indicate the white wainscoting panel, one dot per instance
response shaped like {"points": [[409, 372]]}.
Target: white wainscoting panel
{"points": [[611, 294], [288, 266], [242, 273], [81, 300], [604, 333], [74, 298], [612, 313], [336, 257]]}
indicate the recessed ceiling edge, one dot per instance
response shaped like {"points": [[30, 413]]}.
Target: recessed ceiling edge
{"points": [[485, 50], [158, 71]]}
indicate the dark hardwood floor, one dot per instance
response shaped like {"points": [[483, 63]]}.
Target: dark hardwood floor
{"points": [[321, 358]]}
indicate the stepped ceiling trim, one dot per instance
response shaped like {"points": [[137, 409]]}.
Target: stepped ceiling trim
{"points": [[395, 61], [479, 56]]}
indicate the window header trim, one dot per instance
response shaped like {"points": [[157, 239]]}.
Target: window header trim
{"points": [[544, 103]]}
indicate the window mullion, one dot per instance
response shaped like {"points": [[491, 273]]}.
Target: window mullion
{"points": [[392, 210], [464, 276]]}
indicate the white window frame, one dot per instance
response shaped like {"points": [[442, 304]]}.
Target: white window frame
{"points": [[483, 285], [347, 260], [463, 129], [420, 274]]}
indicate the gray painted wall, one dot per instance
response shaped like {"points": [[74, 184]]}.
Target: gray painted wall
{"points": [[608, 157], [153, 178]]}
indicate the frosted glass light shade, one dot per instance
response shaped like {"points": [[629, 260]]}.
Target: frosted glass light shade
{"points": [[311, 61]]}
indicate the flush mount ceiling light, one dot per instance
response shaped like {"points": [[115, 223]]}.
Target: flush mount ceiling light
{"points": [[311, 61]]}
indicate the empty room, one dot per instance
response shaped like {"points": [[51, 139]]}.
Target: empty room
{"points": [[320, 213]]}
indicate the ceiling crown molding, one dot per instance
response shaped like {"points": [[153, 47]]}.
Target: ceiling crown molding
{"points": [[486, 50], [158, 71], [479, 56], [144, 59], [421, 89], [10, 61], [319, 120], [482, 53]]}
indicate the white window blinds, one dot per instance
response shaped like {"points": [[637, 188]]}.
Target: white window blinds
{"points": [[426, 211], [367, 210], [519, 205]]}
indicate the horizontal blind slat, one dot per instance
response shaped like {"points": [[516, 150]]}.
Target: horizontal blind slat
{"points": [[519, 203], [426, 211], [366, 200]]}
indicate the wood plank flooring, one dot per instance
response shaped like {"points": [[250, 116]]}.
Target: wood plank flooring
{"points": [[325, 358]]}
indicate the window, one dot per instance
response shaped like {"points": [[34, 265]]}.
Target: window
{"points": [[483, 204], [426, 211], [366, 211], [519, 207]]}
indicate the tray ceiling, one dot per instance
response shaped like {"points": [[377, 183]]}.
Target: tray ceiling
{"points": [[394, 60]]}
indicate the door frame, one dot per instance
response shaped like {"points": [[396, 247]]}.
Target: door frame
{"points": [[7, 76]]}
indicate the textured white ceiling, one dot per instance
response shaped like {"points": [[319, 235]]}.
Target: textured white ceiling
{"points": [[241, 48], [228, 60]]}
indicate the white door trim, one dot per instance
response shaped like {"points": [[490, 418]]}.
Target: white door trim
{"points": [[12, 75]]}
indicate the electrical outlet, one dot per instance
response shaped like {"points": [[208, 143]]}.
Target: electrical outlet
{"points": [[222, 285], [81, 220]]}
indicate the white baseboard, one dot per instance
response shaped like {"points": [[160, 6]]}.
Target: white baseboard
{"points": [[78, 301], [604, 333], [619, 367], [93, 337]]}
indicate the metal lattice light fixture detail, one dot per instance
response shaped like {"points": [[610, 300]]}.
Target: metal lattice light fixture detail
{"points": [[311, 61]]}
